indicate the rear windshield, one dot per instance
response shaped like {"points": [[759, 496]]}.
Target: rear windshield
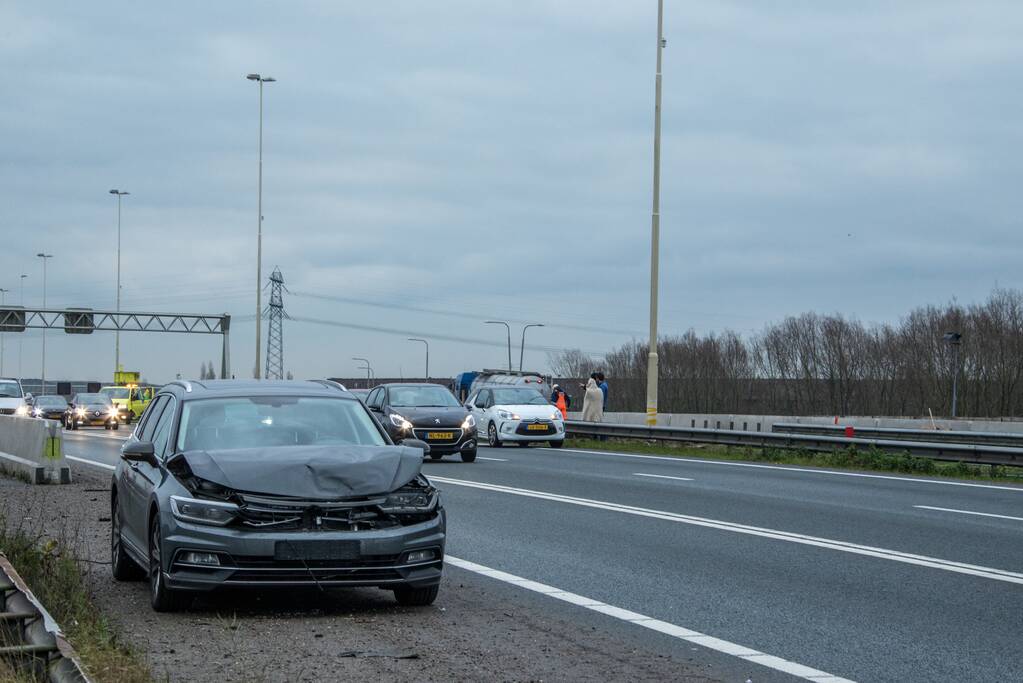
{"points": [[115, 392], [519, 397], [422, 397], [255, 421]]}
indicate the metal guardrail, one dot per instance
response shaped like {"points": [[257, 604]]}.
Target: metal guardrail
{"points": [[29, 637], [980, 454], [932, 435]]}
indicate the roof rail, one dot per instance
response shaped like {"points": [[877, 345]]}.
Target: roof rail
{"points": [[182, 383], [330, 384]]}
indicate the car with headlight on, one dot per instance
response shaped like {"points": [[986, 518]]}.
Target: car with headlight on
{"points": [[49, 407], [86, 410], [13, 399], [427, 412], [516, 414], [271, 485]]}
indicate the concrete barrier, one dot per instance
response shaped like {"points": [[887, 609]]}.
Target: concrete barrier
{"points": [[35, 448]]}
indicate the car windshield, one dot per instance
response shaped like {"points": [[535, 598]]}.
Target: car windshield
{"points": [[255, 421], [422, 397], [519, 397], [115, 392], [93, 400], [50, 401], [10, 389]]}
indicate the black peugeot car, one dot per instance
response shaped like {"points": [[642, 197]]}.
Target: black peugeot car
{"points": [[427, 412], [49, 407], [271, 485]]}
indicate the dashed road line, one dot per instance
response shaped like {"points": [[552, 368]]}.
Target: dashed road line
{"points": [[660, 476], [480, 457], [968, 512], [90, 462], [673, 630]]}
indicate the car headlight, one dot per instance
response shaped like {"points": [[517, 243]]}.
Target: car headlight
{"points": [[556, 415], [80, 412], [21, 411], [410, 501], [400, 422], [38, 412], [506, 415], [203, 511], [112, 412], [469, 422]]}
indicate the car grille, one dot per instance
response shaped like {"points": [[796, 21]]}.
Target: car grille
{"points": [[524, 428], [422, 433], [267, 570], [6, 411], [284, 514]]}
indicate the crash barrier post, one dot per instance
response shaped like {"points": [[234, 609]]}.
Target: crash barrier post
{"points": [[35, 448], [38, 646]]}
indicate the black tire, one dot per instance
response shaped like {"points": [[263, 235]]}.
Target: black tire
{"points": [[469, 456], [74, 424], [416, 597], [436, 456], [121, 565], [106, 426], [115, 426], [161, 598], [523, 444], [556, 444], [492, 439]]}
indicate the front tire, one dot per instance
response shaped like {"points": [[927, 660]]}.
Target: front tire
{"points": [[492, 438], [121, 565], [416, 597], [523, 444], [556, 444], [436, 456], [469, 456], [115, 426], [161, 598]]}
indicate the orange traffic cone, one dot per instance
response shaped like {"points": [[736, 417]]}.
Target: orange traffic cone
{"points": [[561, 405]]}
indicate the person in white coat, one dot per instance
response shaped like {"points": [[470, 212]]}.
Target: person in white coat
{"points": [[593, 402]]}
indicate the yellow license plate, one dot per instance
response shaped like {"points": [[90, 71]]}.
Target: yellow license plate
{"points": [[440, 435], [536, 428]]}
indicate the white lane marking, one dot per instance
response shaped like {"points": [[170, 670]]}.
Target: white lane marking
{"points": [[804, 470], [688, 635], [90, 462], [480, 457], [968, 512], [830, 544], [96, 435], [660, 476]]}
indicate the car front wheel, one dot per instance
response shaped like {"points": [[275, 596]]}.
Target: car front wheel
{"points": [[162, 599], [469, 456], [556, 444], [416, 597], [492, 439]]}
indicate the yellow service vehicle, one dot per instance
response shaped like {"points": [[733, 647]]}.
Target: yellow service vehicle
{"points": [[130, 397]]}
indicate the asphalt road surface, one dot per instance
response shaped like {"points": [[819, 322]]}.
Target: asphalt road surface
{"points": [[759, 570]]}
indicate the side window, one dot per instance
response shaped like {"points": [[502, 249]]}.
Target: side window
{"points": [[161, 435], [484, 399], [472, 399], [376, 399], [147, 424]]}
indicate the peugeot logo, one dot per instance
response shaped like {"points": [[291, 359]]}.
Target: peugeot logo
{"points": [[436, 420]]}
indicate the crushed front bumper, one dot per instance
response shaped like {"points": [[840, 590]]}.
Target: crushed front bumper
{"points": [[304, 558]]}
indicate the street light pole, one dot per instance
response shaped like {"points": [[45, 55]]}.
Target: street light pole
{"points": [[117, 334], [417, 339], [3, 300], [259, 223], [954, 339], [21, 344], [502, 322], [368, 368], [522, 347], [45, 258], [655, 232]]}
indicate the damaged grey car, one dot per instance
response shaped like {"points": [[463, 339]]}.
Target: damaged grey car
{"points": [[271, 485]]}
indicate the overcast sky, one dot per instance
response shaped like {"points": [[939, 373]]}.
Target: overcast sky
{"points": [[460, 161]]}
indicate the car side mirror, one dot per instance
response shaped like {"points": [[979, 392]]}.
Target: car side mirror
{"points": [[376, 409], [29, 396], [416, 443], [139, 451]]}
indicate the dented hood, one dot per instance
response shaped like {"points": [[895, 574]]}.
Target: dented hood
{"points": [[311, 472]]}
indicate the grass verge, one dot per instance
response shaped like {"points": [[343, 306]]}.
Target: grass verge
{"points": [[869, 460], [51, 569]]}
